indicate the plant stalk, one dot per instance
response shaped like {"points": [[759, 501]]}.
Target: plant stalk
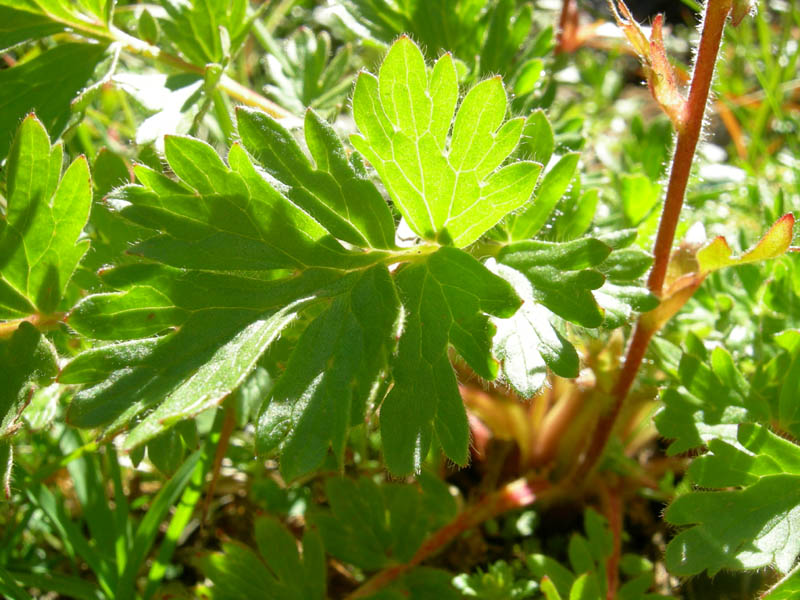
{"points": [[716, 14], [713, 24], [517, 494]]}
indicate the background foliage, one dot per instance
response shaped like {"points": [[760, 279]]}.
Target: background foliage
{"points": [[324, 299]]}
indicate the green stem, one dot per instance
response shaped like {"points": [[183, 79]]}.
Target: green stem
{"points": [[233, 88]]}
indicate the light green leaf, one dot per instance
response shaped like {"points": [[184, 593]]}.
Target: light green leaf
{"points": [[555, 182], [440, 297], [537, 137], [448, 192], [39, 247], [774, 243]]}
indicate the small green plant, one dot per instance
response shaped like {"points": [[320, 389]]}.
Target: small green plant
{"points": [[418, 330]]}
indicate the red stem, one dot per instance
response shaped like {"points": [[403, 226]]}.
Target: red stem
{"points": [[713, 24], [612, 505], [517, 494]]}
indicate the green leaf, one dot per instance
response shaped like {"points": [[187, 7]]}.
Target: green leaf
{"points": [[305, 73], [348, 205], [774, 243], [639, 196], [447, 191], [39, 245], [623, 293], [239, 221], [155, 298], [45, 84], [559, 278], [330, 375], [442, 308], [527, 342], [195, 28], [277, 571], [555, 182], [150, 525], [706, 406], [747, 528], [24, 20], [27, 361], [538, 139], [371, 526], [18, 26], [787, 588]]}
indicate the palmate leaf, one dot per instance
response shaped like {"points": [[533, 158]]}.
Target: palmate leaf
{"points": [[276, 571], [45, 214], [241, 248], [754, 525], [329, 378], [447, 187], [448, 297]]}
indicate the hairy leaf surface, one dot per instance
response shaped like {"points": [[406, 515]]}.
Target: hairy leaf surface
{"points": [[448, 187]]}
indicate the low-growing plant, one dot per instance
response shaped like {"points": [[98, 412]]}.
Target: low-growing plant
{"points": [[392, 357]]}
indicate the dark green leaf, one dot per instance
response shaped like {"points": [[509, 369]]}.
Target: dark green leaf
{"points": [[27, 360], [45, 85], [349, 206], [330, 375], [442, 308]]}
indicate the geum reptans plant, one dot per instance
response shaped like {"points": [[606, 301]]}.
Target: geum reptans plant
{"points": [[439, 282]]}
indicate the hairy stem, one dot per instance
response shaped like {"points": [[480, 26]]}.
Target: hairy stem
{"points": [[713, 25], [716, 13], [517, 494]]}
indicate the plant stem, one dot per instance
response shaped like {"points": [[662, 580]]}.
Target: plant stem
{"points": [[713, 24], [233, 88], [517, 494]]}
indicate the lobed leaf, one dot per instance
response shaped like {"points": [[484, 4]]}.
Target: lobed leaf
{"points": [[447, 298], [348, 205], [330, 375], [751, 527], [448, 190], [40, 244]]}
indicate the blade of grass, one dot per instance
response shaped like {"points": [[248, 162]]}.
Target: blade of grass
{"points": [[63, 585], [148, 529], [75, 544], [185, 508]]}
